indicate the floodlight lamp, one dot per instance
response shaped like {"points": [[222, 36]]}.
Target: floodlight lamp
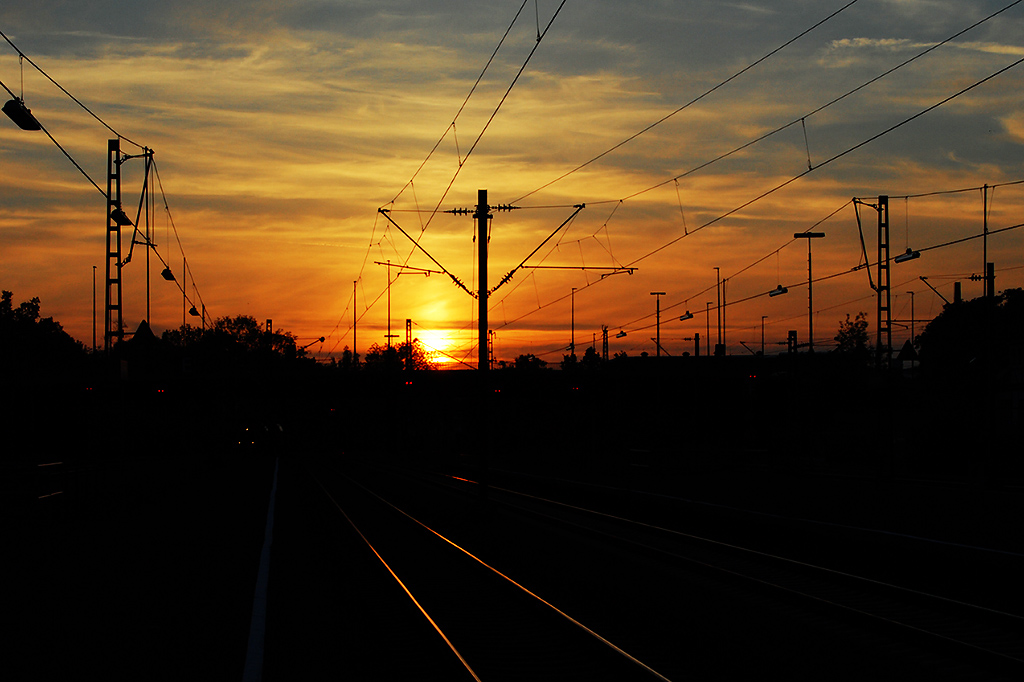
{"points": [[779, 290], [908, 255], [686, 316], [192, 311], [21, 115], [620, 335], [119, 217], [167, 274]]}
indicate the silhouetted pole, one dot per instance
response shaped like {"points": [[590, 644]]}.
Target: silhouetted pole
{"points": [[911, 317], [113, 329], [718, 291], [572, 323], [883, 345], [984, 249], [94, 309], [482, 214], [389, 304], [810, 280], [707, 330], [721, 315], [763, 318], [355, 320], [657, 319], [408, 344]]}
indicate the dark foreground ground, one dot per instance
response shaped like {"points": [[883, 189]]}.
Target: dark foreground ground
{"points": [[133, 522], [154, 579]]}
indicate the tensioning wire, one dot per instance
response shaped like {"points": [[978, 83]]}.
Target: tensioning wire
{"points": [[691, 102]]}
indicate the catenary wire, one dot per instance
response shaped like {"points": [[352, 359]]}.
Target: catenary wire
{"points": [[691, 102], [822, 107], [62, 89]]}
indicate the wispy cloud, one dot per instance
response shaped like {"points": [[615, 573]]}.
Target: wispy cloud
{"points": [[279, 128]]}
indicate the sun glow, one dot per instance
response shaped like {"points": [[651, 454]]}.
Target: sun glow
{"points": [[441, 347]]}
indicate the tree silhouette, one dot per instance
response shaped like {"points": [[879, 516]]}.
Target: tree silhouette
{"points": [[410, 356], [981, 332], [30, 343], [529, 361], [852, 338], [591, 358], [241, 334], [236, 345]]}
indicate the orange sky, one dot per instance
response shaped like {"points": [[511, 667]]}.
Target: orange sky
{"points": [[279, 130]]}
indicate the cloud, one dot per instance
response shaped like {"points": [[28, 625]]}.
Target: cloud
{"points": [[280, 127]]}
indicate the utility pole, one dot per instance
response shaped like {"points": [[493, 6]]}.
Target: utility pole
{"points": [[482, 215], [707, 329], [883, 330], [986, 292], [94, 309], [355, 321], [389, 305], [113, 330], [911, 317], [408, 344], [810, 281], [572, 323], [721, 313], [718, 291], [657, 318]]}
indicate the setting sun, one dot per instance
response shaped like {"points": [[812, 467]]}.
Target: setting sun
{"points": [[442, 347]]}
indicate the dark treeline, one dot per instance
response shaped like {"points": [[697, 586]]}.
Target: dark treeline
{"points": [[952, 411]]}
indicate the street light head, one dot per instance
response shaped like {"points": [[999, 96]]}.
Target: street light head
{"points": [[658, 293], [808, 235], [167, 274], [686, 316], [21, 115], [779, 290], [908, 255], [620, 335], [193, 312]]}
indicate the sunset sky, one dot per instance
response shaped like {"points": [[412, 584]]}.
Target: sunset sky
{"points": [[279, 129]]}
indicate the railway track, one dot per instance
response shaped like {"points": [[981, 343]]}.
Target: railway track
{"points": [[525, 587], [986, 636], [494, 627]]}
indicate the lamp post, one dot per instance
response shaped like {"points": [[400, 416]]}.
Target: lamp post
{"points": [[810, 295], [763, 317], [657, 318]]}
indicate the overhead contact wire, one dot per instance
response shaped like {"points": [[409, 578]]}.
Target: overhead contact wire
{"points": [[831, 159], [691, 102], [62, 89]]}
